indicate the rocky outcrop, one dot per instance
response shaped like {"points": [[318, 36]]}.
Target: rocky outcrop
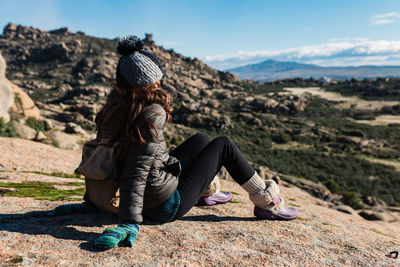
{"points": [[62, 51], [23, 105], [276, 103], [3, 67], [213, 188], [23, 130], [13, 98], [6, 99]]}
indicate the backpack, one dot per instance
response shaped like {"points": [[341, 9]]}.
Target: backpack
{"points": [[99, 160]]}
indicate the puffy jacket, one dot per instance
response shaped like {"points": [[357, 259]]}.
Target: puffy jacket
{"points": [[149, 174]]}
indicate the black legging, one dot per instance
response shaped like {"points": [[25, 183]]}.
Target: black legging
{"points": [[204, 160]]}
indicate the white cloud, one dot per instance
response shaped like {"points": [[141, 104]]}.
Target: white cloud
{"points": [[385, 18], [382, 21], [386, 15], [354, 51]]}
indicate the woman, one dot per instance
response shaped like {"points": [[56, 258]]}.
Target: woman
{"points": [[152, 183]]}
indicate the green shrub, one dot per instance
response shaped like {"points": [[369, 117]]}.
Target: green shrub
{"points": [[6, 129], [36, 124], [261, 88], [280, 138], [332, 186], [352, 199], [18, 102], [396, 204], [258, 141]]}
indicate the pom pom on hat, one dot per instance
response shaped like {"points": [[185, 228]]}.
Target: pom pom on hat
{"points": [[128, 45]]}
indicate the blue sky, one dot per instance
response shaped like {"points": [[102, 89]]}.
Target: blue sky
{"points": [[231, 33]]}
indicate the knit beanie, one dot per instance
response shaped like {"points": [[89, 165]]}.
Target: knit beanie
{"points": [[137, 65]]}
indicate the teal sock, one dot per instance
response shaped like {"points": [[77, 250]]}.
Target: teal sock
{"points": [[114, 235], [68, 209]]}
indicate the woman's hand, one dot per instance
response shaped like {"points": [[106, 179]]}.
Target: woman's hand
{"points": [[112, 236]]}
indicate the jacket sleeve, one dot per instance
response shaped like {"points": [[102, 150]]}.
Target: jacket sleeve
{"points": [[156, 115], [138, 163]]}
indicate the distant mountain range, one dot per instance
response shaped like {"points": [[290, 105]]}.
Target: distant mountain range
{"points": [[270, 70]]}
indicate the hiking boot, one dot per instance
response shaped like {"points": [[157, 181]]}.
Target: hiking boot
{"points": [[284, 214]]}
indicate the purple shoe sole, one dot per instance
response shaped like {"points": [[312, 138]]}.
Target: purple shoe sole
{"points": [[285, 214], [218, 198]]}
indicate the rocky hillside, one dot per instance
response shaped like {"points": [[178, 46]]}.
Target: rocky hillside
{"points": [[220, 235], [69, 74]]}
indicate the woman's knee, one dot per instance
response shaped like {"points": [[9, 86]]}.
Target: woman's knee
{"points": [[202, 137], [224, 139]]}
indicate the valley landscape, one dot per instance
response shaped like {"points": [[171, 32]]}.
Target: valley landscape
{"points": [[333, 145], [270, 70]]}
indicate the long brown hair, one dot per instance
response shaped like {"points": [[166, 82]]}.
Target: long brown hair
{"points": [[127, 106]]}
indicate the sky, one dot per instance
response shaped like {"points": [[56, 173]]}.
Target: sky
{"points": [[230, 33]]}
